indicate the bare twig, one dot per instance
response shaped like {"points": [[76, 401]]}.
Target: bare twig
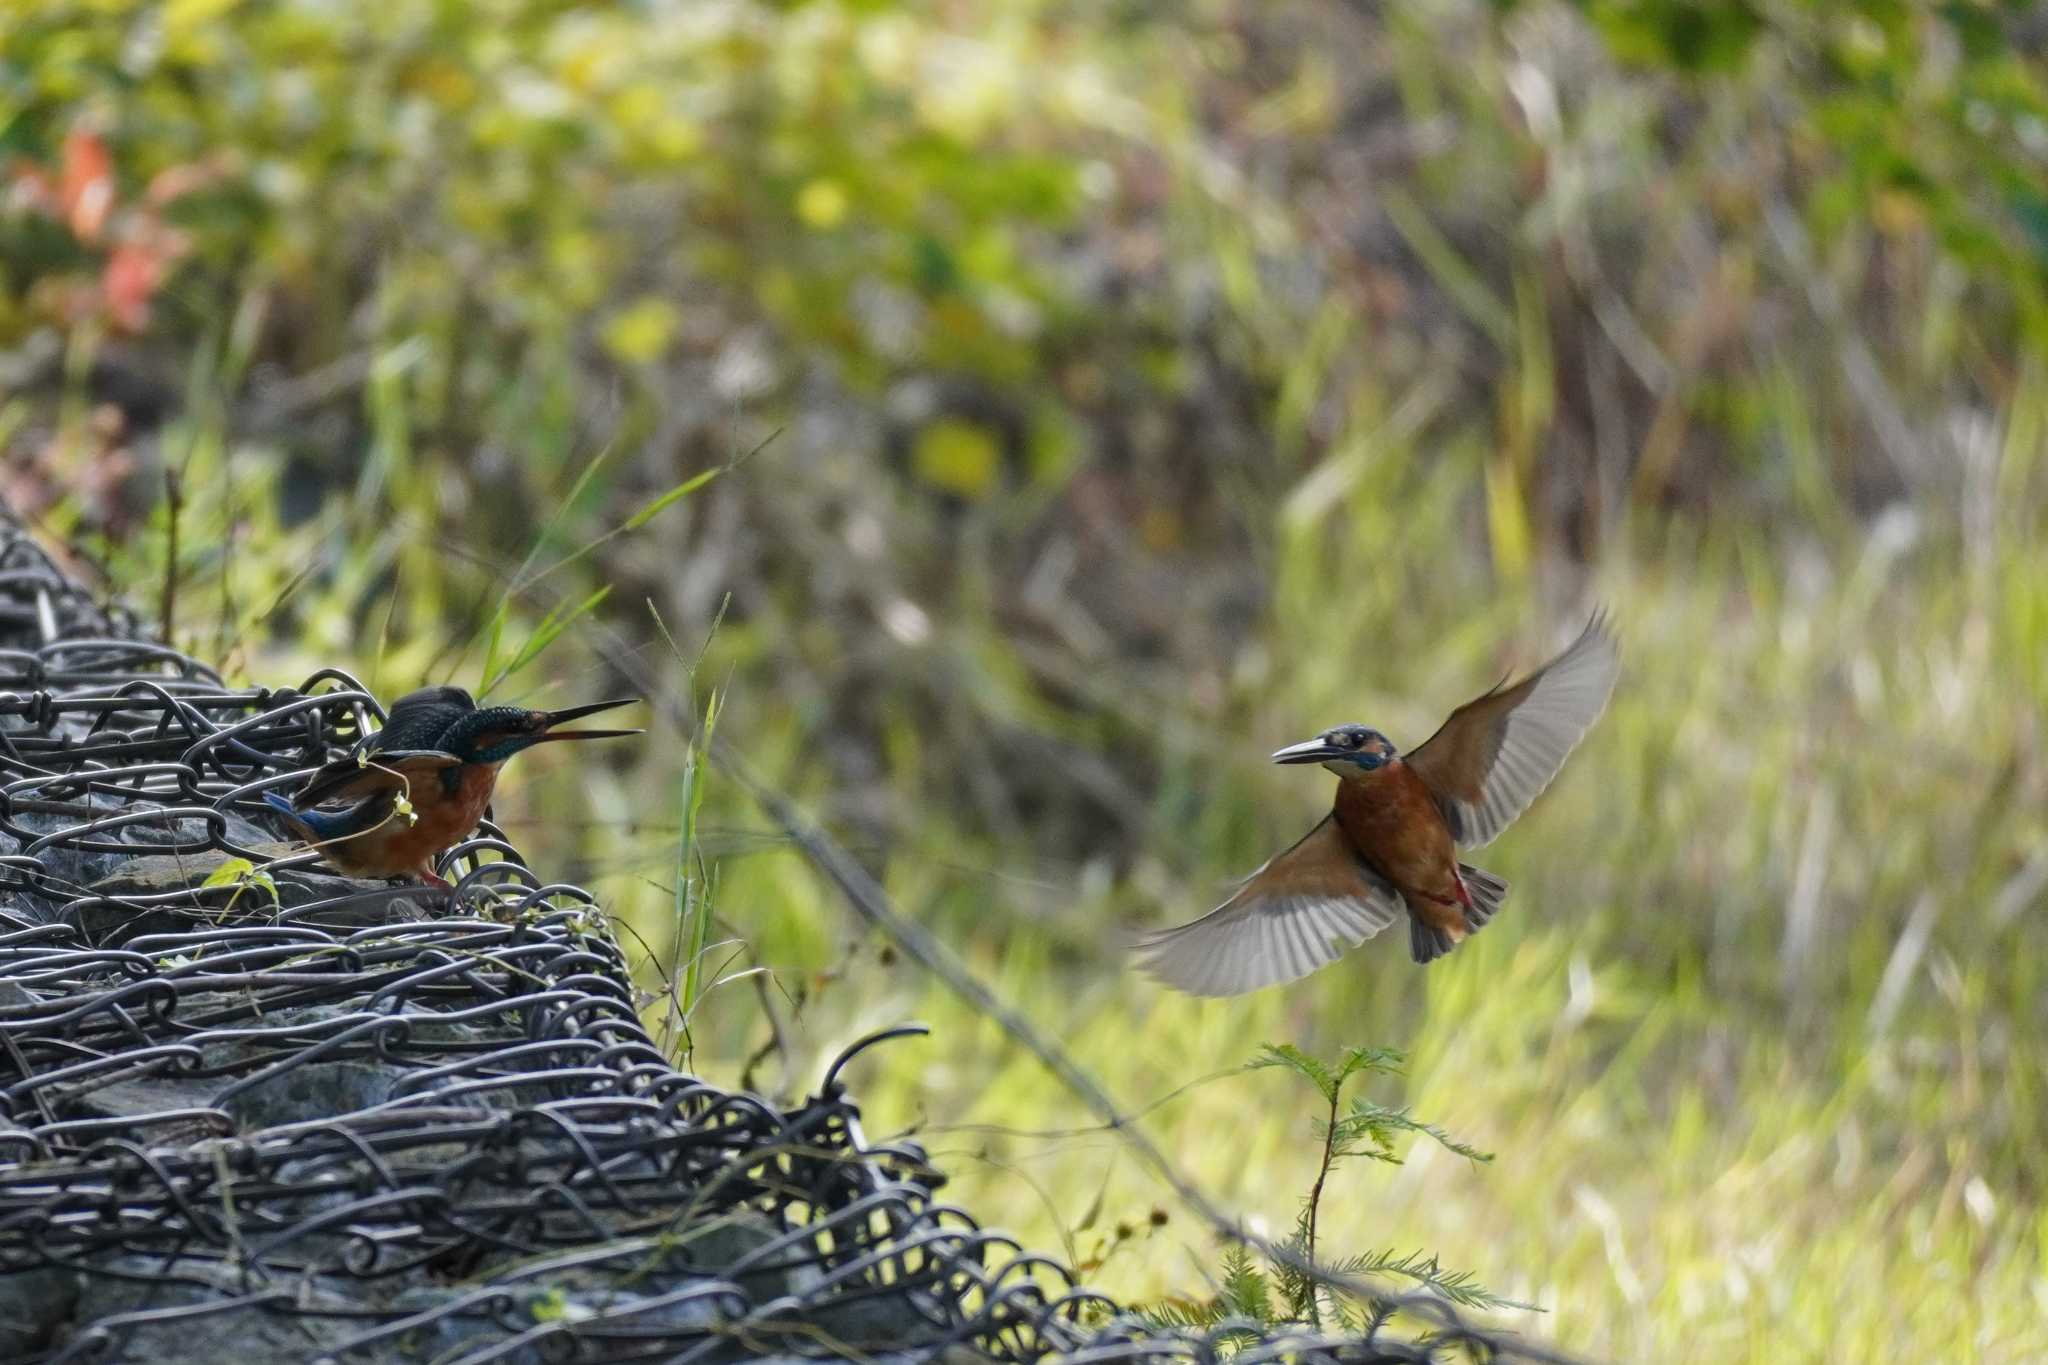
{"points": [[174, 503]]}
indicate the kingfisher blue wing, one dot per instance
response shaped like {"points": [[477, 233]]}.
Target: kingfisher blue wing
{"points": [[417, 722], [1303, 910], [1498, 752], [379, 771]]}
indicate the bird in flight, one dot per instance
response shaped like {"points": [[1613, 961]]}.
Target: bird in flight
{"points": [[1391, 841], [419, 786]]}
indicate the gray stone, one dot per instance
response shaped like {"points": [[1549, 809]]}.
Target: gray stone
{"points": [[715, 1245], [157, 874], [469, 1316], [134, 1098], [313, 1091], [138, 1285], [32, 1305]]}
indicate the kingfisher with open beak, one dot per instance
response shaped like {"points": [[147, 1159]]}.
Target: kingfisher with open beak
{"points": [[420, 785], [1391, 842]]}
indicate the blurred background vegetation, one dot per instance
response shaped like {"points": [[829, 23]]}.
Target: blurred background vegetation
{"points": [[1068, 404]]}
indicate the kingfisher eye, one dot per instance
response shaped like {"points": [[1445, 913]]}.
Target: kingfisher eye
{"points": [[1353, 740]]}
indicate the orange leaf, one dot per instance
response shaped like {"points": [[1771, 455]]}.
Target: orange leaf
{"points": [[86, 191], [133, 273]]}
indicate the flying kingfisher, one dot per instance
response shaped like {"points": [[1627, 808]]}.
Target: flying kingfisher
{"points": [[419, 785], [1391, 841]]}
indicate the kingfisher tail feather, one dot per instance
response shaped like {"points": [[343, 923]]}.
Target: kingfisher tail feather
{"points": [[1428, 942], [319, 826], [1486, 893], [293, 819]]}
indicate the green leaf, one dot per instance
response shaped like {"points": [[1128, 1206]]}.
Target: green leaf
{"points": [[822, 204], [1458, 1286], [676, 494], [1377, 1125], [555, 1306], [1291, 1058], [1698, 37], [545, 634], [241, 874], [1244, 1287], [693, 894], [695, 884], [958, 457], [495, 637], [1385, 1061], [230, 873], [1168, 1314], [1297, 1288], [634, 522], [639, 333]]}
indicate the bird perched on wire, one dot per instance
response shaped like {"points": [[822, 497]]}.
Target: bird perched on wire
{"points": [[1391, 841], [419, 786]]}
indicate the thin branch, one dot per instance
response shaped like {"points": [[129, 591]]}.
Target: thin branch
{"points": [[1315, 1201], [174, 502]]}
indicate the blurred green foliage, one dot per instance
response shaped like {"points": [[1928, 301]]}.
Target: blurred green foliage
{"points": [[1099, 396]]}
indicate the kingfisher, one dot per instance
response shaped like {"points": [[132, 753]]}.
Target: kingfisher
{"points": [[419, 786], [1391, 841]]}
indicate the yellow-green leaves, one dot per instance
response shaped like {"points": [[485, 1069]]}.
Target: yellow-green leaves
{"points": [[551, 625], [639, 333], [958, 457], [678, 493], [822, 203], [241, 874]]}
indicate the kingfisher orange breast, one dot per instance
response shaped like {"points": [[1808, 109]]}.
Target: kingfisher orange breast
{"points": [[445, 820], [1390, 816], [441, 820]]}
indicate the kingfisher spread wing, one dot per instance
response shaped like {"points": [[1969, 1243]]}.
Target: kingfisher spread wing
{"points": [[1300, 911], [1390, 842], [1498, 752]]}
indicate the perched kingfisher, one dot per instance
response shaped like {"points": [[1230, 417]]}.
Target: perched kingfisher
{"points": [[419, 786], [1391, 841]]}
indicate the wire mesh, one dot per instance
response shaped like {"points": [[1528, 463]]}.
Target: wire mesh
{"points": [[293, 1116]]}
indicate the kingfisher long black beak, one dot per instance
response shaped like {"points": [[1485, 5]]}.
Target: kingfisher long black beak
{"points": [[1308, 751], [577, 713]]}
